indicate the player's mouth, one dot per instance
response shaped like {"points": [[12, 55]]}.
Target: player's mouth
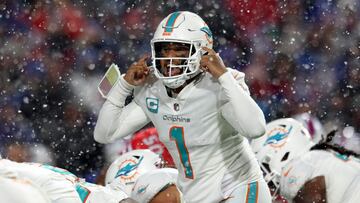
{"points": [[172, 71]]}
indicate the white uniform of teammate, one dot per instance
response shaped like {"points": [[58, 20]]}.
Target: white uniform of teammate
{"points": [[199, 137], [337, 169], [60, 185], [352, 194], [18, 190], [56, 183], [92, 193]]}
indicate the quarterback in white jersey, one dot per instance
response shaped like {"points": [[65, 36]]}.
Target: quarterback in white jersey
{"points": [[201, 112], [318, 176]]}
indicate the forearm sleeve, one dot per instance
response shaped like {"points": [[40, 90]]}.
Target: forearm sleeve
{"points": [[116, 120], [241, 111]]}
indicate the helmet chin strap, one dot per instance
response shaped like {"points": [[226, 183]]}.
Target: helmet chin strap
{"points": [[173, 87], [174, 83]]}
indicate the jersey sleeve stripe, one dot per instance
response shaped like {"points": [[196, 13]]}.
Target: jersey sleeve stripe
{"points": [[252, 193]]}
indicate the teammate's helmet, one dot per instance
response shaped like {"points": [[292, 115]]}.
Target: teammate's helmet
{"points": [[284, 140], [187, 29], [312, 124], [128, 167]]}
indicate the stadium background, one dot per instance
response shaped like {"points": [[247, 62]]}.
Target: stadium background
{"points": [[298, 56]]}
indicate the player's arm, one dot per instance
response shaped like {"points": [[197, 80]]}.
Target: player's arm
{"points": [[313, 190], [116, 120], [241, 112]]}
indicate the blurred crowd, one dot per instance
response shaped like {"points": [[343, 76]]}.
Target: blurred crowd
{"points": [[298, 56]]}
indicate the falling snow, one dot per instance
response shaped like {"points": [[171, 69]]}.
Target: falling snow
{"points": [[297, 56]]}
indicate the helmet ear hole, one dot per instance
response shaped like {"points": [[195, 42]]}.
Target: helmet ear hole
{"points": [[266, 166], [285, 157]]}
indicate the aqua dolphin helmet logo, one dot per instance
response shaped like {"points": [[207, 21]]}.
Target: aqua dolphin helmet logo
{"points": [[277, 137], [127, 169]]}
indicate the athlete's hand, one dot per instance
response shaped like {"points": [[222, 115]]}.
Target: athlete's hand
{"points": [[137, 72], [212, 63]]}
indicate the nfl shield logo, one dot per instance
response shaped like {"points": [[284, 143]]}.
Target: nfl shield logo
{"points": [[152, 104], [176, 107]]}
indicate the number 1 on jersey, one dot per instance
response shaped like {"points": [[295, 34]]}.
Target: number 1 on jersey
{"points": [[177, 134]]}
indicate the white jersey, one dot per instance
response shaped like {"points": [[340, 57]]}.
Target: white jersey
{"points": [[56, 183], [203, 129], [92, 193], [18, 190], [337, 169], [352, 194], [148, 185]]}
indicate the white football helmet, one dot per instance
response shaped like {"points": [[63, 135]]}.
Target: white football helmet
{"points": [[128, 167], [186, 28], [284, 140]]}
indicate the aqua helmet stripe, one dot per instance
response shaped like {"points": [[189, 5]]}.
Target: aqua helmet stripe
{"points": [[171, 22]]}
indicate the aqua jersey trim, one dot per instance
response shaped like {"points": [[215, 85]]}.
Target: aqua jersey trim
{"points": [[82, 192], [252, 193]]}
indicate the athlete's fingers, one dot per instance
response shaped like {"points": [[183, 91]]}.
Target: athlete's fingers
{"points": [[143, 59], [210, 51]]}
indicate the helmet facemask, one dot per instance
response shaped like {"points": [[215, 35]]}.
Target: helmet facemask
{"points": [[272, 178], [185, 66]]}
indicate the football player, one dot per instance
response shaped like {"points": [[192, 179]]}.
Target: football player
{"points": [[321, 175], [60, 185], [202, 113], [285, 139]]}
